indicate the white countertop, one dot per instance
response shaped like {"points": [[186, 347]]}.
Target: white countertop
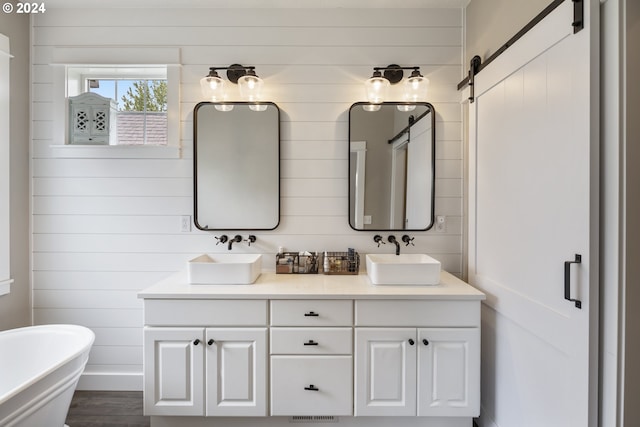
{"points": [[299, 286]]}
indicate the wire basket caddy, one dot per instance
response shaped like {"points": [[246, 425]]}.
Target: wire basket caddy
{"points": [[341, 262], [297, 263]]}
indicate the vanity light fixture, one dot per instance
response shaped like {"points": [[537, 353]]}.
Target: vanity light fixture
{"points": [[377, 87], [249, 84]]}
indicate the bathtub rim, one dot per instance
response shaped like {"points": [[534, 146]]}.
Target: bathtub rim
{"points": [[82, 330]]}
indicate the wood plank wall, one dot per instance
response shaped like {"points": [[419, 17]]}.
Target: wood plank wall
{"points": [[105, 228]]}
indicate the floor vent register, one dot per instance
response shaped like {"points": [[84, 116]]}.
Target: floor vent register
{"points": [[313, 419]]}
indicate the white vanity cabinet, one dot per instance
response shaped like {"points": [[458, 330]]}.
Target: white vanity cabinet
{"points": [[417, 358], [205, 371], [312, 347], [423, 372]]}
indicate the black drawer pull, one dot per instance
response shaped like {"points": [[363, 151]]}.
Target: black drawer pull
{"points": [[311, 342], [311, 314], [196, 342], [312, 388], [210, 342]]}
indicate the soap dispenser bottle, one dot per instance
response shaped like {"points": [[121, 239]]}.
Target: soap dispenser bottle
{"points": [[326, 262]]}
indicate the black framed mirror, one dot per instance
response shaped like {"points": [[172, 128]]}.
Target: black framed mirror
{"points": [[236, 165], [391, 166]]}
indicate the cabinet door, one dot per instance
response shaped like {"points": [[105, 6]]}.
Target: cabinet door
{"points": [[173, 371], [81, 116], [236, 371], [449, 372], [100, 121], [385, 365]]}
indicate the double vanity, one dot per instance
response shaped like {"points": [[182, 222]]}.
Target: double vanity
{"points": [[311, 348], [228, 344]]}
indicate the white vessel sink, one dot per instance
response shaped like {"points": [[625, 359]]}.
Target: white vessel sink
{"points": [[403, 269], [224, 269]]}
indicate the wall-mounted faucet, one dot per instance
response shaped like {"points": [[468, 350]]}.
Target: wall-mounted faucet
{"points": [[392, 239], [236, 238]]}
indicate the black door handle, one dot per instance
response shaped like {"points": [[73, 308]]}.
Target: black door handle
{"points": [[567, 280]]}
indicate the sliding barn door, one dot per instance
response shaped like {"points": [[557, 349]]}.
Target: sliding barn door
{"points": [[533, 225]]}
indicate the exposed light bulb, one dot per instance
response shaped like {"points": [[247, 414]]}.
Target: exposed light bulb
{"points": [[224, 107], [377, 88], [258, 107], [371, 107], [405, 107], [212, 87], [416, 88], [250, 87]]}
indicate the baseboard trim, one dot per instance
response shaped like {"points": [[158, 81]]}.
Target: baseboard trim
{"points": [[110, 381]]}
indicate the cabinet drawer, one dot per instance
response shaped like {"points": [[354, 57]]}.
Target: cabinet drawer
{"points": [[311, 340], [416, 313], [311, 385], [205, 312], [90, 140], [311, 312]]}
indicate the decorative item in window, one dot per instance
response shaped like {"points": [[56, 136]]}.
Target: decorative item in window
{"points": [[92, 120]]}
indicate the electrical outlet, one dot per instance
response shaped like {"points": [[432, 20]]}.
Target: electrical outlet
{"points": [[185, 223], [441, 223]]}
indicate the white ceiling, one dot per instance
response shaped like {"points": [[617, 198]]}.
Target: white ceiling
{"points": [[257, 3]]}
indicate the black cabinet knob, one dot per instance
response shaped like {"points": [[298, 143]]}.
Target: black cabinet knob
{"points": [[425, 342], [196, 342], [210, 342], [411, 342]]}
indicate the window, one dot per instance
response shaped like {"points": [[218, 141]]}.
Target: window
{"points": [[140, 95], [73, 66]]}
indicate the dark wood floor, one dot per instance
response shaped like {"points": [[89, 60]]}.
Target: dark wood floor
{"points": [[107, 409]]}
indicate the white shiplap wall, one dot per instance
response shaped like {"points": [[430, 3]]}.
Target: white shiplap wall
{"points": [[105, 228]]}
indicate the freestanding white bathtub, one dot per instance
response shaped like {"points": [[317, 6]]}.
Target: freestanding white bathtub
{"points": [[39, 369]]}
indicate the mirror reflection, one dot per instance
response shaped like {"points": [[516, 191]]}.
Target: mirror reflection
{"points": [[236, 166], [391, 166]]}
